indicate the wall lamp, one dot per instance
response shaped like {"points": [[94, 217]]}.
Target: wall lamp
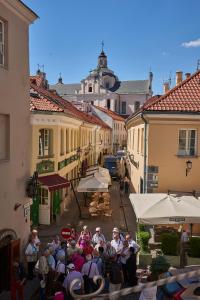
{"points": [[188, 167]]}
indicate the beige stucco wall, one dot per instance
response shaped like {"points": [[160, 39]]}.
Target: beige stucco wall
{"points": [[163, 148], [135, 173], [14, 100]]}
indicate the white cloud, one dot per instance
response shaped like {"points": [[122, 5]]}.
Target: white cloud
{"points": [[191, 44]]}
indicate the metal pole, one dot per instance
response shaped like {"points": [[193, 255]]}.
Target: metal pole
{"points": [[79, 208], [65, 258]]}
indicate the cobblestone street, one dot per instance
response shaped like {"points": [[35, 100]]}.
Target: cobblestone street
{"points": [[122, 217]]}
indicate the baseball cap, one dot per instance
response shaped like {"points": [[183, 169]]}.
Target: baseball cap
{"points": [[71, 266]]}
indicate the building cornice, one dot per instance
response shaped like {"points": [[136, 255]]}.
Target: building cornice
{"points": [[21, 10]]}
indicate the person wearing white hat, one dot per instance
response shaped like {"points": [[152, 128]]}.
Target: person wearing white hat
{"points": [[73, 274], [118, 233], [117, 243], [98, 237]]}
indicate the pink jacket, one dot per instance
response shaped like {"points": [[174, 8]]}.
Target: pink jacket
{"points": [[78, 261], [58, 296]]}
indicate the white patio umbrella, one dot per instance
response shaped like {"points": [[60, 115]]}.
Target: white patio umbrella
{"points": [[101, 172], [92, 184], [165, 209]]}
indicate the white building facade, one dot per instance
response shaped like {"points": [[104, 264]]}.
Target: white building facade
{"points": [[103, 88]]}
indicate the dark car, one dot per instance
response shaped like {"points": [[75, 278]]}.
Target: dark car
{"points": [[110, 163]]}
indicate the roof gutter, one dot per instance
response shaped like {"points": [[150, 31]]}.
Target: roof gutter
{"points": [[145, 154]]}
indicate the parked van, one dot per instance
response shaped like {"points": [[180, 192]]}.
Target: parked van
{"points": [[110, 163]]}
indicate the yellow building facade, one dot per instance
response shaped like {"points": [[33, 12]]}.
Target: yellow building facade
{"points": [[64, 144], [164, 142]]}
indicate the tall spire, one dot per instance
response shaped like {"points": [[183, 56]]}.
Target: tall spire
{"points": [[102, 45], [102, 59]]}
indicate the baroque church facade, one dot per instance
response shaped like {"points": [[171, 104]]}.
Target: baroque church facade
{"points": [[103, 88]]}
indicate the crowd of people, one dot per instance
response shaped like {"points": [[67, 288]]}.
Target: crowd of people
{"points": [[82, 257]]}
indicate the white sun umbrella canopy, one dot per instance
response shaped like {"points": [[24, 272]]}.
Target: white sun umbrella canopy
{"points": [[103, 172], [92, 184], [165, 209]]}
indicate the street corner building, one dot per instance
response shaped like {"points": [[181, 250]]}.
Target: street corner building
{"points": [[163, 140], [15, 18], [65, 142]]}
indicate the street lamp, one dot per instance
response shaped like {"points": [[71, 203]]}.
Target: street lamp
{"points": [[188, 167]]}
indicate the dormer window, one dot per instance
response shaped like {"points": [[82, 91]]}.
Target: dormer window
{"points": [[90, 89]]}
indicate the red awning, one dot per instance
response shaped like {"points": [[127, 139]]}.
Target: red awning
{"points": [[54, 182]]}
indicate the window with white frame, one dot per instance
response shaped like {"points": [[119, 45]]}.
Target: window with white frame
{"points": [[43, 196], [2, 43], [45, 142], [4, 137], [187, 142]]}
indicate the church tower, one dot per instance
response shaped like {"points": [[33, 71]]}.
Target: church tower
{"points": [[102, 59]]}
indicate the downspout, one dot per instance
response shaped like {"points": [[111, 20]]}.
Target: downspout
{"points": [[145, 154]]}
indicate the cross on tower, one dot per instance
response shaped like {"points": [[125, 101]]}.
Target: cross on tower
{"points": [[102, 45]]}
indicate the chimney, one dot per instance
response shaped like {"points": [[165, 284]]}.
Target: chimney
{"points": [[187, 75], [166, 87], [179, 77]]}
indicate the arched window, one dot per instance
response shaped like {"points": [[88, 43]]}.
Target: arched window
{"points": [[90, 89]]}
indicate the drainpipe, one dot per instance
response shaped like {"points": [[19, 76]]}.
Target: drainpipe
{"points": [[145, 154]]}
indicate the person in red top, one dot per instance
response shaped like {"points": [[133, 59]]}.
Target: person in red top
{"points": [[88, 249], [78, 260]]}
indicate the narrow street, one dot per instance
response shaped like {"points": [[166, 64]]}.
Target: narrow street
{"points": [[121, 219]]}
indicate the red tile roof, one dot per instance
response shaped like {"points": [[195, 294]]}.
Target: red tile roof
{"points": [[37, 80], [184, 97], [43, 104], [64, 105], [111, 113]]}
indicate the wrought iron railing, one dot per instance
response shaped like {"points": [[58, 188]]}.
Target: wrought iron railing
{"points": [[126, 291]]}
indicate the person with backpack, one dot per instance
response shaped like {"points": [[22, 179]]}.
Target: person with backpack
{"points": [[89, 270], [115, 275]]}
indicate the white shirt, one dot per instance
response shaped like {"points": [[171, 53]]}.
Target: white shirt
{"points": [[133, 244], [148, 293], [184, 237], [126, 253], [97, 238], [117, 245], [60, 267], [93, 270]]}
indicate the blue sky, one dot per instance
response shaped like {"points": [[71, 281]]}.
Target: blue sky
{"points": [[138, 35]]}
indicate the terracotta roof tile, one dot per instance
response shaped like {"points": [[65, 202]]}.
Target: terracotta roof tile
{"points": [[42, 104], [111, 113], [184, 97], [60, 104]]}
